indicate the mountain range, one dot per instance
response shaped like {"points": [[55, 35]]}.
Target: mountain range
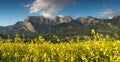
{"points": [[61, 26]]}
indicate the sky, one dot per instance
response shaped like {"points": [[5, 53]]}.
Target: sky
{"points": [[12, 11]]}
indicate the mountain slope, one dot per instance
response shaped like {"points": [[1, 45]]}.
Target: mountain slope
{"points": [[61, 26]]}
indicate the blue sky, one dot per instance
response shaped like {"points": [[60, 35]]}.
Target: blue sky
{"points": [[12, 11]]}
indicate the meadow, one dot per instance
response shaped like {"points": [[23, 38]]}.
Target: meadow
{"points": [[96, 49]]}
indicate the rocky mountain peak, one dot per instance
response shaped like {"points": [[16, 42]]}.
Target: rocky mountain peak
{"points": [[19, 23], [90, 17], [41, 25], [58, 20], [35, 19], [65, 19], [88, 20]]}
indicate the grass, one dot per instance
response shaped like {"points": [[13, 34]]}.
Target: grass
{"points": [[97, 48], [61, 52]]}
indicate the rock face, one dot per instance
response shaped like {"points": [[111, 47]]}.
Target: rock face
{"points": [[41, 25], [41, 20], [36, 23], [88, 20], [30, 27], [65, 19], [59, 20], [37, 20]]}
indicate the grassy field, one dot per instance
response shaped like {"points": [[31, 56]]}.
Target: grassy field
{"points": [[97, 48], [61, 52]]}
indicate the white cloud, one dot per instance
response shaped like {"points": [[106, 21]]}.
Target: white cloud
{"points": [[74, 3], [60, 15], [47, 15], [107, 12], [110, 17], [47, 7], [28, 5]]}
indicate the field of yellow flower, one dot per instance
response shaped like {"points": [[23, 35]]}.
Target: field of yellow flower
{"points": [[94, 51], [97, 48]]}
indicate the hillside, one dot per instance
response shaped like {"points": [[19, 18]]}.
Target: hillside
{"points": [[61, 26]]}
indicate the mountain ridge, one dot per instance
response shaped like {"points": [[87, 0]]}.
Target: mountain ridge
{"points": [[39, 25]]}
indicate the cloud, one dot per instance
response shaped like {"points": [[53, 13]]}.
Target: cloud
{"points": [[27, 5], [47, 8], [104, 5], [110, 17], [75, 3], [47, 14], [107, 12], [60, 15]]}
